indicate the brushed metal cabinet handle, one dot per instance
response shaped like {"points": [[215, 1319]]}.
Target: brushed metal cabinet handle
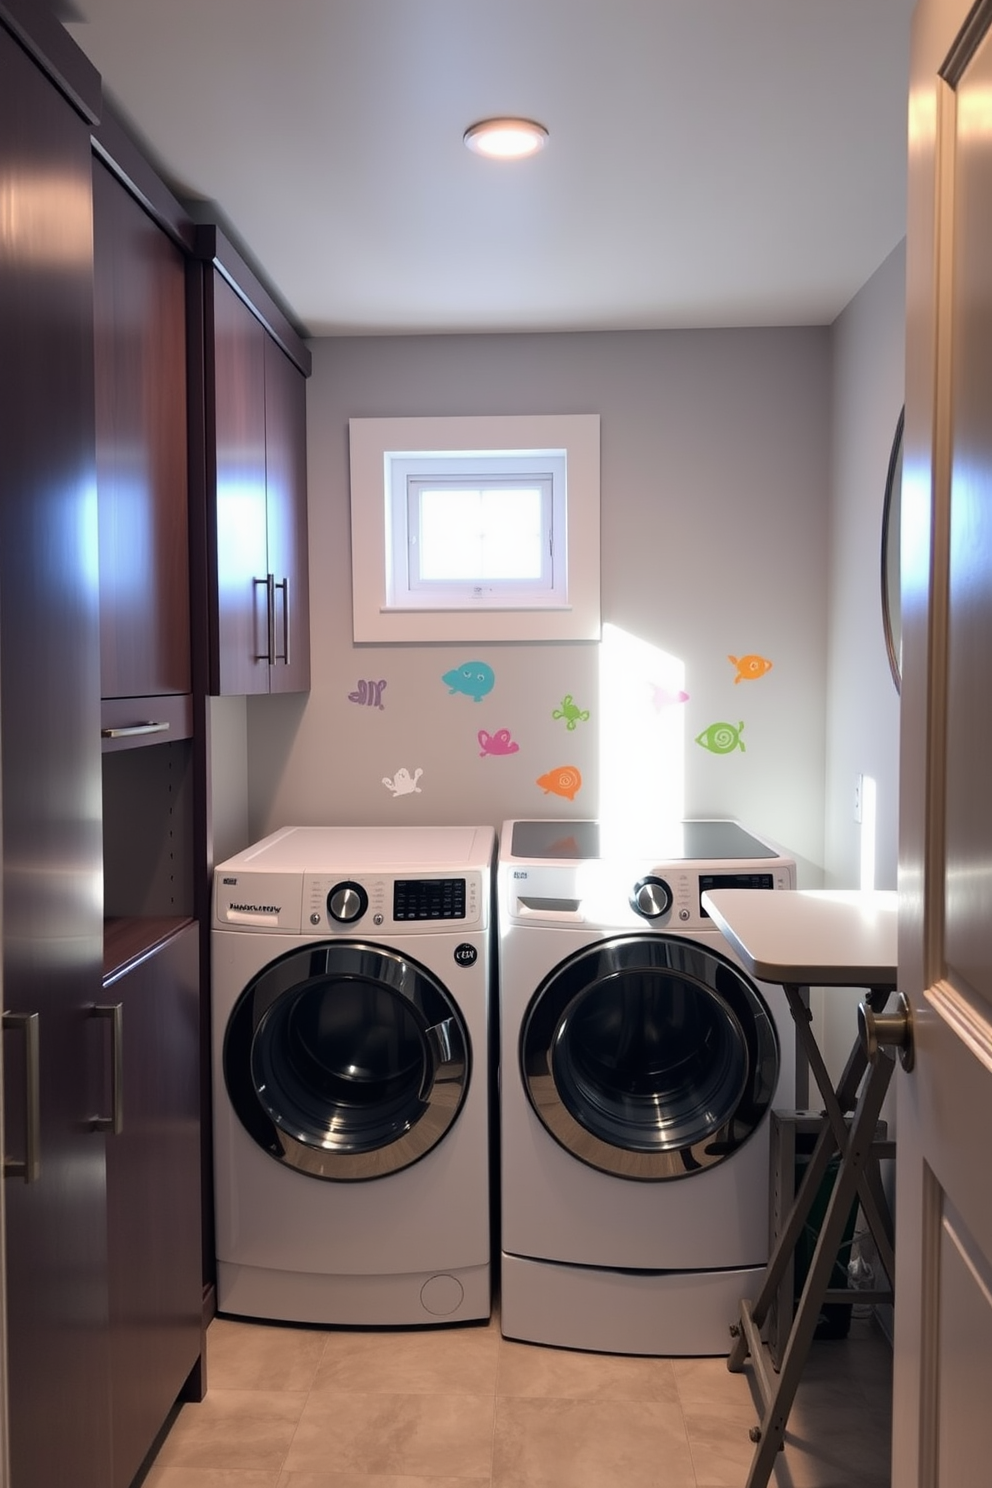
{"points": [[114, 1123], [270, 618], [30, 1167], [284, 586], [134, 728]]}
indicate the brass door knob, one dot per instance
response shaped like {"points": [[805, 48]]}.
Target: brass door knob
{"points": [[890, 1030]]}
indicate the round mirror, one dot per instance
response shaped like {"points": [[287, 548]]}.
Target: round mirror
{"points": [[891, 522]]}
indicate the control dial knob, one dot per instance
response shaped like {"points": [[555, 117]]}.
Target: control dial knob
{"points": [[651, 897], [347, 902]]}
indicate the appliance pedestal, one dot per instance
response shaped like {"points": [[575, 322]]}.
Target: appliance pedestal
{"points": [[667, 1313]]}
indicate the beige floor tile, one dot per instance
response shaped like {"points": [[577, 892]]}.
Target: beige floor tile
{"points": [[260, 1356], [832, 1447], [534, 1372], [208, 1477], [707, 1384], [374, 1480], [460, 1361], [414, 1435], [587, 1444], [719, 1443], [234, 1429]]}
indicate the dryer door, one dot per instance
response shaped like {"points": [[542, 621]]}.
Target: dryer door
{"points": [[649, 1056], [346, 1060]]}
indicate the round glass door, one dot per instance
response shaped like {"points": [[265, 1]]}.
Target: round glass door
{"points": [[346, 1061], [649, 1057]]}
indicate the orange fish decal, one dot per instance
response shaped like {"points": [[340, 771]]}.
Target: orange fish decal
{"points": [[563, 781], [750, 668]]}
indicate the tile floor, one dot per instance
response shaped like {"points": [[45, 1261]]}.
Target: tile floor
{"points": [[465, 1408]]}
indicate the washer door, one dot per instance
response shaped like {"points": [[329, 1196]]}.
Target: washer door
{"points": [[346, 1060], [649, 1056]]}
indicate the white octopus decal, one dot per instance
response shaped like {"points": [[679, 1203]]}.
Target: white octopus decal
{"points": [[403, 783]]}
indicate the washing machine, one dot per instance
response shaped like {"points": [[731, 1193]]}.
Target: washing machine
{"points": [[351, 1075], [638, 1066]]}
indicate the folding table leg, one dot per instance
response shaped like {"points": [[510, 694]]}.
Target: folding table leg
{"points": [[854, 1155]]}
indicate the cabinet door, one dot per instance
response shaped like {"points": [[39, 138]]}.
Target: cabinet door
{"points": [[153, 1198], [55, 1233], [139, 300], [286, 512], [236, 380]]}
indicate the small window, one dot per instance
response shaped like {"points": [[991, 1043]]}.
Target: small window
{"points": [[477, 531], [490, 537]]}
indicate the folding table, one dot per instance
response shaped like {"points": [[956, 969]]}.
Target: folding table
{"points": [[823, 938]]}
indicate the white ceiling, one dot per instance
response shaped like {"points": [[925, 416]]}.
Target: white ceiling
{"points": [[710, 162]]}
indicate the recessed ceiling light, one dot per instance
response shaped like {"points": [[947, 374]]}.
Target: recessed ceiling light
{"points": [[506, 139]]}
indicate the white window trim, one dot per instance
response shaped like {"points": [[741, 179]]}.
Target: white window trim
{"points": [[372, 444]]}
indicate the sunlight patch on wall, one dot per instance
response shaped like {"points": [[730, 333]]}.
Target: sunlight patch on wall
{"points": [[641, 742], [869, 817]]}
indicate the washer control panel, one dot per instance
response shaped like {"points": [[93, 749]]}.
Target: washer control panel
{"points": [[375, 902]]}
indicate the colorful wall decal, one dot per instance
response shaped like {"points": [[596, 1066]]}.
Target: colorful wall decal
{"points": [[564, 780], [369, 693], [722, 738], [750, 668], [498, 743], [403, 783], [473, 678], [571, 712], [664, 697]]}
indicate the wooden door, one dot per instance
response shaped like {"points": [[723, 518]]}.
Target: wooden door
{"points": [[286, 494], [943, 1426], [51, 846], [140, 298], [236, 446]]}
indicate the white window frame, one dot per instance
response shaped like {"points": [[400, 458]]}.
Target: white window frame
{"points": [[409, 475], [388, 454]]}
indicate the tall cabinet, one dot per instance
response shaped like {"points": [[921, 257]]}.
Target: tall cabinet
{"points": [[152, 397], [150, 800], [55, 1045]]}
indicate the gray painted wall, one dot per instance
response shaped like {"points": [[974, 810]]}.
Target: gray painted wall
{"points": [[862, 714], [862, 702], [715, 471]]}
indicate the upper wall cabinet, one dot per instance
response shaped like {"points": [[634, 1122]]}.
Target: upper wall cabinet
{"points": [[254, 401], [140, 319]]}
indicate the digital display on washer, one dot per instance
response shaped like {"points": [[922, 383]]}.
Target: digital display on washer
{"points": [[732, 881], [429, 899]]}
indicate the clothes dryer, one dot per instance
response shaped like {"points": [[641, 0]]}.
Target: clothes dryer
{"points": [[638, 1067], [351, 1074]]}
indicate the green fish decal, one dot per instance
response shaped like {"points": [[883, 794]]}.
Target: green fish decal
{"points": [[571, 712], [722, 738]]}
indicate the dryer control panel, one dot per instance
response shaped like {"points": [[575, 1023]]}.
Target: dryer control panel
{"points": [[623, 893]]}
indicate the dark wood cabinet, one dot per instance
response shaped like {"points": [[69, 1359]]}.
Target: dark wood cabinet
{"points": [[140, 338], [286, 519], [103, 1274], [153, 1183], [254, 461], [240, 588], [56, 1236], [153, 547], [152, 804]]}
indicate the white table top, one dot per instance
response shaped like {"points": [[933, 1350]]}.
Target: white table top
{"points": [[823, 937]]}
